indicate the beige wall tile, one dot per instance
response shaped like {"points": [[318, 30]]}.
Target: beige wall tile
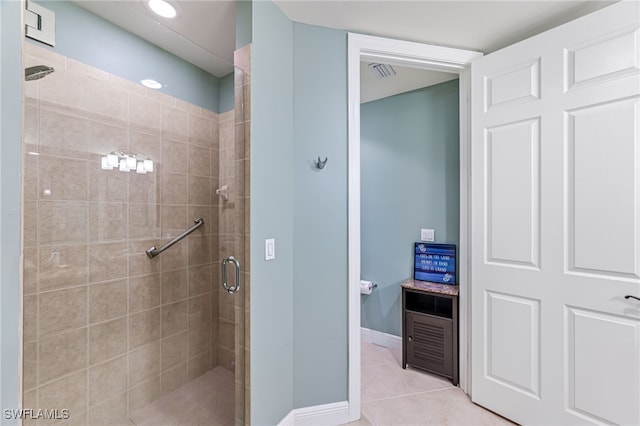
{"points": [[107, 185], [30, 367], [174, 220], [129, 86], [200, 280], [210, 226], [62, 222], [62, 266], [225, 358], [145, 114], [199, 161], [65, 91], [62, 354], [107, 261], [199, 249], [144, 327], [62, 310], [199, 310], [179, 257], [107, 300], [199, 365], [144, 221], [30, 223], [174, 123], [174, 318], [106, 137], [144, 363], [144, 292], [30, 184], [107, 340], [106, 101], [107, 380], [80, 68], [63, 134], [144, 394], [200, 130], [174, 285], [174, 188], [199, 189], [30, 317], [69, 392], [144, 188], [173, 378], [30, 271], [146, 144], [61, 178], [107, 221], [139, 262], [227, 334], [174, 156], [174, 350], [199, 338], [113, 412]]}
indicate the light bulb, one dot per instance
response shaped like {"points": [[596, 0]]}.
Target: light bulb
{"points": [[148, 165], [131, 163], [104, 161], [162, 8], [112, 160], [123, 165], [140, 168]]}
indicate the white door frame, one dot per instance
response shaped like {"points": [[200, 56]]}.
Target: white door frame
{"points": [[416, 55]]}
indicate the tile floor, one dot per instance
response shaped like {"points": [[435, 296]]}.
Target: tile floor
{"points": [[394, 396], [206, 401]]}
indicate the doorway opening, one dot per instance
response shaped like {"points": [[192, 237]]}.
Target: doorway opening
{"points": [[425, 57]]}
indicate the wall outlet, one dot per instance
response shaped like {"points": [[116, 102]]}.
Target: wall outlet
{"points": [[427, 235]]}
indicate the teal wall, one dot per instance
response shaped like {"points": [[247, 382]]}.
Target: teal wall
{"points": [[227, 97], [320, 217], [299, 300], [244, 11], [272, 201], [11, 75], [86, 37], [409, 180]]}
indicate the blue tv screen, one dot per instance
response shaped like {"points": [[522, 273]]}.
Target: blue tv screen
{"points": [[435, 263]]}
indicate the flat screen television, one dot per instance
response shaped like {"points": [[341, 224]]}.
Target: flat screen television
{"points": [[435, 263]]}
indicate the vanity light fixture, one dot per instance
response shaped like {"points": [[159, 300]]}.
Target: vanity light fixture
{"points": [[151, 84], [126, 162], [164, 8]]}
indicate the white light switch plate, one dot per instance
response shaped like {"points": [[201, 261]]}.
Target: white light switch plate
{"points": [[270, 249], [427, 235]]}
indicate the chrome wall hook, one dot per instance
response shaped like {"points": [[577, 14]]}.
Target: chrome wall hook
{"points": [[320, 163]]}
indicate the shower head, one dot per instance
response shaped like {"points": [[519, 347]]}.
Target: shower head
{"points": [[37, 72]]}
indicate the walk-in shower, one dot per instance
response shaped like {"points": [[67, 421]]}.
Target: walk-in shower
{"points": [[37, 72], [110, 334]]}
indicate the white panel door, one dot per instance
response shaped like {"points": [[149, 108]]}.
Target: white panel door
{"points": [[556, 224]]}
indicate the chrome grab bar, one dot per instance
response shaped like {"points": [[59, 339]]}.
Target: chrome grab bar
{"points": [[153, 252], [235, 288]]}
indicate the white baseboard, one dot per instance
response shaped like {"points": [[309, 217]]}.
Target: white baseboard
{"points": [[336, 413], [382, 339]]}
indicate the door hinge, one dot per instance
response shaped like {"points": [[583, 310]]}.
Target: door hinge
{"points": [[40, 23]]}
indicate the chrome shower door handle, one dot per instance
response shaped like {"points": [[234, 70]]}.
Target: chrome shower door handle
{"points": [[236, 263]]}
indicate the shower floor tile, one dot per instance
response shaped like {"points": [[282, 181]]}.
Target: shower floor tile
{"points": [[206, 401]]}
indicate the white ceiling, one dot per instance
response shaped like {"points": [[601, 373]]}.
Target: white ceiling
{"points": [[204, 34]]}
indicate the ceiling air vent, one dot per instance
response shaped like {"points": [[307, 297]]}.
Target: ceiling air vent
{"points": [[382, 70]]}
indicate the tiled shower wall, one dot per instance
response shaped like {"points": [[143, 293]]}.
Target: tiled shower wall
{"points": [[107, 330]]}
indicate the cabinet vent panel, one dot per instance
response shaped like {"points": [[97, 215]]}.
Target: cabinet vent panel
{"points": [[429, 343]]}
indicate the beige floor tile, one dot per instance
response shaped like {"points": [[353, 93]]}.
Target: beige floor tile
{"points": [[392, 395], [372, 354]]}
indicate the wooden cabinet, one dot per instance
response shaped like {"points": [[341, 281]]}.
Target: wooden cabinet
{"points": [[430, 328]]}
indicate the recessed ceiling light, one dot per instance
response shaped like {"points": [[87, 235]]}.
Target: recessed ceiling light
{"points": [[164, 8], [151, 84]]}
